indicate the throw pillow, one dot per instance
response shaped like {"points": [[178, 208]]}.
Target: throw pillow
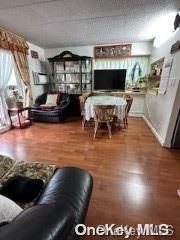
{"points": [[22, 189], [8, 210], [52, 99], [47, 106]]}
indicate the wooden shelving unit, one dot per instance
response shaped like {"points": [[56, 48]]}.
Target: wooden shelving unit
{"points": [[155, 76], [72, 73]]}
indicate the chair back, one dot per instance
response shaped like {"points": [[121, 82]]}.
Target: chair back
{"points": [[129, 101], [118, 94], [104, 113], [82, 104], [86, 95], [82, 100]]}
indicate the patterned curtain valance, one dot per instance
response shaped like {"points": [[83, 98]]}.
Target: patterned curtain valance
{"points": [[12, 42]]}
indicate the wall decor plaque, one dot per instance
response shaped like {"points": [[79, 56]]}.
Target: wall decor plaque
{"points": [[113, 51], [34, 54]]}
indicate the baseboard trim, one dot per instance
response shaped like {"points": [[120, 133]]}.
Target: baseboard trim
{"points": [[158, 137], [135, 114], [4, 129]]}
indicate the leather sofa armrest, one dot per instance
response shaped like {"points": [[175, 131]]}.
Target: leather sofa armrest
{"points": [[47, 221], [63, 104], [72, 187], [35, 106]]}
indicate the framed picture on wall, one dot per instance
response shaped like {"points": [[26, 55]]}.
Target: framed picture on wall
{"points": [[112, 51], [34, 54]]}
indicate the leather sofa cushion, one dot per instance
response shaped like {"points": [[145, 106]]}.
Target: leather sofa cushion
{"points": [[47, 106]]}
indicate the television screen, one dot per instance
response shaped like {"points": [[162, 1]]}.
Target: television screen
{"points": [[109, 79]]}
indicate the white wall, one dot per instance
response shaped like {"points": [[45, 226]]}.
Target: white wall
{"points": [[138, 49], [36, 65], [161, 110]]}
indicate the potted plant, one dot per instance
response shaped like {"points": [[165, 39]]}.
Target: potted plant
{"points": [[17, 98], [143, 82]]}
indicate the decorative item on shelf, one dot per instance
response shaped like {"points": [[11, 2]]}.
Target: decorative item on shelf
{"points": [[143, 82], [153, 83], [136, 89], [156, 67], [136, 72], [154, 77], [112, 51]]}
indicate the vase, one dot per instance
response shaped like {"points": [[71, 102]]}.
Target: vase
{"points": [[19, 104]]}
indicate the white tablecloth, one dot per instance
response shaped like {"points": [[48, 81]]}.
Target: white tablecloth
{"points": [[119, 103]]}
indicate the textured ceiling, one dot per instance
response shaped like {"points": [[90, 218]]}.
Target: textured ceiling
{"points": [[61, 23]]}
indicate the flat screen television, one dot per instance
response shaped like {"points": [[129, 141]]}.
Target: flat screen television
{"points": [[110, 79]]}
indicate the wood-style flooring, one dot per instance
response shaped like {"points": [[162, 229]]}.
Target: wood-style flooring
{"points": [[135, 179]]}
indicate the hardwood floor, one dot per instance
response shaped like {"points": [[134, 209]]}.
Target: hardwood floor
{"points": [[135, 179]]}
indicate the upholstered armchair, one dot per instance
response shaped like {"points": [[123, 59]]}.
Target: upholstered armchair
{"points": [[57, 113]]}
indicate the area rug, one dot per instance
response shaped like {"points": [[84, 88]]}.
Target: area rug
{"points": [[34, 170]]}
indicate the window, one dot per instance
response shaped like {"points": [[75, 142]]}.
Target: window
{"points": [[6, 66]]}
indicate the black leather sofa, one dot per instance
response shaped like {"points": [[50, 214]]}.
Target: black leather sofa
{"points": [[57, 114], [62, 205]]}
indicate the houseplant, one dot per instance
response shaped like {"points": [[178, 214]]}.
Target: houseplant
{"points": [[143, 82], [17, 98]]}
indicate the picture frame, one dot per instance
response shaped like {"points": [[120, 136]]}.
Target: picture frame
{"points": [[112, 51]]}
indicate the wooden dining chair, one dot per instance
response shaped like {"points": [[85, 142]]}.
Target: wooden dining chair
{"points": [[124, 121], [82, 100], [103, 114], [129, 101], [82, 108]]}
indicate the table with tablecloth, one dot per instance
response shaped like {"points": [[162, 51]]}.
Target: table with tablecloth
{"points": [[118, 102]]}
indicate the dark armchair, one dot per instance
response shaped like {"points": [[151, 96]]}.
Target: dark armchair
{"points": [[57, 114]]}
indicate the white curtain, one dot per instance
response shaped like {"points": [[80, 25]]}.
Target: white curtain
{"points": [[6, 66], [126, 63], [18, 80]]}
